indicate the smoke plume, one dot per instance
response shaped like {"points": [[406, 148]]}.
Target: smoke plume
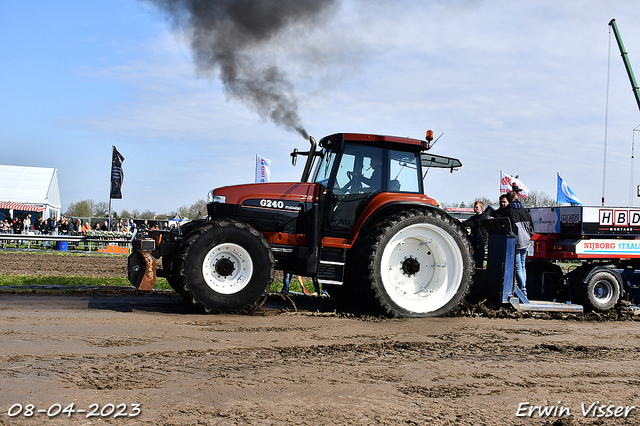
{"points": [[224, 33]]}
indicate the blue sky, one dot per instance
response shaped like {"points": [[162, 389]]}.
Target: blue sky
{"points": [[514, 86]]}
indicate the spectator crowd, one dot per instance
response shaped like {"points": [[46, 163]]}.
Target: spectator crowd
{"points": [[23, 224]]}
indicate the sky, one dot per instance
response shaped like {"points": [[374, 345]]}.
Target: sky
{"points": [[531, 88]]}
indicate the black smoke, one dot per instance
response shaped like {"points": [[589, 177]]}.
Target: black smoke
{"points": [[224, 33]]}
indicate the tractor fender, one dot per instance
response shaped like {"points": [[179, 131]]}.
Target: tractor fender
{"points": [[382, 207], [189, 227], [583, 274]]}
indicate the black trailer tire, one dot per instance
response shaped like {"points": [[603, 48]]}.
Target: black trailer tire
{"points": [[419, 264], [225, 266], [601, 292]]}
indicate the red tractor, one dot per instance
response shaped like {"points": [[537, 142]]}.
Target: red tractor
{"points": [[358, 221]]}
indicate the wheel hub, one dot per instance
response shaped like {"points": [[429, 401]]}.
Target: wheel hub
{"points": [[224, 267], [227, 268], [602, 291], [410, 266]]}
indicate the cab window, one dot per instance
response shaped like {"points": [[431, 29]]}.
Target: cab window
{"points": [[405, 174]]}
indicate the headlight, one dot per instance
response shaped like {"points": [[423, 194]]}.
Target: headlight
{"points": [[215, 198]]}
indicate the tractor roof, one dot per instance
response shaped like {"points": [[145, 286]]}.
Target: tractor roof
{"points": [[407, 143]]}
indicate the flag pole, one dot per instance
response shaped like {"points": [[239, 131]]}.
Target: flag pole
{"points": [[110, 184]]}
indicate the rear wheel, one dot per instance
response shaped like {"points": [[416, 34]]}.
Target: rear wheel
{"points": [[225, 266], [419, 264]]}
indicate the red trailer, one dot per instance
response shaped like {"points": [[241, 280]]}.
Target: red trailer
{"points": [[601, 246]]}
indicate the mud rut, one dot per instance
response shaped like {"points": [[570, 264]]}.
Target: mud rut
{"points": [[316, 366]]}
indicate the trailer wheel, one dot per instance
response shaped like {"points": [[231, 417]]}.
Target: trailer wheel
{"points": [[225, 266], [419, 264], [602, 292]]}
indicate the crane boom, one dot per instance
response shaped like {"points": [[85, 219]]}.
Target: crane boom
{"points": [[625, 59]]}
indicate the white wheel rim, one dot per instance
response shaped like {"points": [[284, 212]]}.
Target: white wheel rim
{"points": [[603, 291], [227, 268], [439, 263]]}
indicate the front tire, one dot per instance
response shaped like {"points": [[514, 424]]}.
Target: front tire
{"points": [[225, 266], [419, 264], [167, 267]]}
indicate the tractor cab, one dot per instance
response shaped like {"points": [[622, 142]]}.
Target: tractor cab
{"points": [[355, 169], [354, 173]]}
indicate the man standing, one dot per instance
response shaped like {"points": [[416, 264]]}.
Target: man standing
{"points": [[478, 232], [522, 228]]}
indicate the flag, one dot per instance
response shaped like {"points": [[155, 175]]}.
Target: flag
{"points": [[263, 169], [565, 194], [507, 182], [117, 175]]}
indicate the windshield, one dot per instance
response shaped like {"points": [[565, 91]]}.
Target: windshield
{"points": [[323, 169]]}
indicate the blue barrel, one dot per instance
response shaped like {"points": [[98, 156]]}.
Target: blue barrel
{"points": [[62, 245]]}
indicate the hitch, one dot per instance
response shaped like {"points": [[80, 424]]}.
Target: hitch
{"points": [[501, 269]]}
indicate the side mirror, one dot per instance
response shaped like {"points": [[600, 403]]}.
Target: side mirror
{"points": [[294, 157]]}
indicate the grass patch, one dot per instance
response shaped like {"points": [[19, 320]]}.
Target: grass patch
{"points": [[17, 280], [294, 285]]}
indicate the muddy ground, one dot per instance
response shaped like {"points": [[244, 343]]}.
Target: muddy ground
{"points": [[315, 366]]}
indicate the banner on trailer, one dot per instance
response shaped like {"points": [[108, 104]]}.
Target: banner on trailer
{"points": [[117, 175]]}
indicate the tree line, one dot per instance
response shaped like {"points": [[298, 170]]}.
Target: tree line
{"points": [[89, 208]]}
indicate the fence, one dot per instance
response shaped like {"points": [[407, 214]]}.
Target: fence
{"points": [[113, 245]]}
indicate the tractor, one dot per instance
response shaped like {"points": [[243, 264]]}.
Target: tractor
{"points": [[358, 221]]}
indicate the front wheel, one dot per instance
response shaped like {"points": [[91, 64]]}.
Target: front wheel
{"points": [[420, 264], [225, 266]]}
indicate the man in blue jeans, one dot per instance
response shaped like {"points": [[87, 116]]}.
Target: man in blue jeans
{"points": [[522, 228]]}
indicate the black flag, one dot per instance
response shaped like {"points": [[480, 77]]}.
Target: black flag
{"points": [[117, 175]]}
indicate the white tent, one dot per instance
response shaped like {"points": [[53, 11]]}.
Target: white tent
{"points": [[33, 189]]}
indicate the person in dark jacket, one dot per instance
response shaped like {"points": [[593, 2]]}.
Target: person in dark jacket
{"points": [[53, 227], [522, 228], [503, 204], [478, 232]]}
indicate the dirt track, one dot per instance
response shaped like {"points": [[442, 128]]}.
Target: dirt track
{"points": [[62, 264], [311, 367]]}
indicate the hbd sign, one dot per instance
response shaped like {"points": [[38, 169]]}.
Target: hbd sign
{"points": [[619, 217]]}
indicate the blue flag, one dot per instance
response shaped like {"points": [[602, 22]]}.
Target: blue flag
{"points": [[565, 194]]}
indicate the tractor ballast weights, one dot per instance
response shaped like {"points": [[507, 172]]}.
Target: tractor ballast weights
{"points": [[598, 246], [358, 221]]}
